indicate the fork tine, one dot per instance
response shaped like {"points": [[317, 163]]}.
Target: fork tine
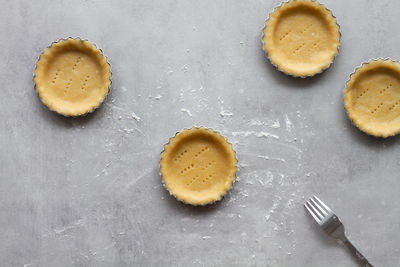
{"points": [[316, 210], [318, 207], [323, 204], [312, 211]]}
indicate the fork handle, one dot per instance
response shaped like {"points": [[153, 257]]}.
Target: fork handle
{"points": [[363, 261]]}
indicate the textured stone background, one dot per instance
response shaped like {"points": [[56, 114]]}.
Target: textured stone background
{"points": [[86, 191]]}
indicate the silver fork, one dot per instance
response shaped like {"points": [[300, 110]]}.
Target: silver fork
{"points": [[331, 224]]}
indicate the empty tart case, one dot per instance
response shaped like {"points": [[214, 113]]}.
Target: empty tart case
{"points": [[307, 44], [72, 77], [372, 97], [198, 166]]}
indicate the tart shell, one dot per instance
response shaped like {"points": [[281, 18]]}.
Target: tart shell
{"points": [[301, 38], [72, 77], [198, 166], [372, 98]]}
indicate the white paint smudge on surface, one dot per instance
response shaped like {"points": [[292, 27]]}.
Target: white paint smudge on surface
{"points": [[185, 110], [225, 113], [77, 224], [127, 131], [256, 134], [245, 134], [269, 158], [256, 122], [265, 134], [289, 124], [276, 124], [274, 207], [135, 116], [112, 244], [136, 179]]}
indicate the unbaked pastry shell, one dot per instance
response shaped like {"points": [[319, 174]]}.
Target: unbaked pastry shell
{"points": [[307, 48], [72, 77], [372, 98], [198, 166]]}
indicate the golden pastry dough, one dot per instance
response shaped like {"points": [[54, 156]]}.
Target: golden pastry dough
{"points": [[372, 98], [198, 166], [301, 38], [72, 77]]}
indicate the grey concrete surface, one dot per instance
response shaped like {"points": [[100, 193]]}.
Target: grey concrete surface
{"points": [[86, 191]]}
